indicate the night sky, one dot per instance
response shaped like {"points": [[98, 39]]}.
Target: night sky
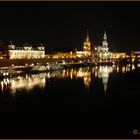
{"points": [[63, 25]]}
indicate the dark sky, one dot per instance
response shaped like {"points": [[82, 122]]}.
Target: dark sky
{"points": [[63, 25]]}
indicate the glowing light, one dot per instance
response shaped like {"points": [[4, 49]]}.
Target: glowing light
{"points": [[32, 64], [128, 67], [26, 83], [87, 80], [123, 69], [133, 59], [117, 68], [133, 66], [113, 66], [138, 65], [71, 75], [104, 74]]}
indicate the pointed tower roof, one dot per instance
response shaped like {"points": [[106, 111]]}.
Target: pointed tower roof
{"points": [[105, 36], [87, 37], [11, 43]]}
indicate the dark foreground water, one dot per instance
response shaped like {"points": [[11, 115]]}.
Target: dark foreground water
{"points": [[84, 102]]}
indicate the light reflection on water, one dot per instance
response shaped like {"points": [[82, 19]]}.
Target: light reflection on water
{"points": [[28, 82]]}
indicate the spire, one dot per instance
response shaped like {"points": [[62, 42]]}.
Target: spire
{"points": [[11, 43], [87, 38], [87, 46], [41, 44], [105, 36]]}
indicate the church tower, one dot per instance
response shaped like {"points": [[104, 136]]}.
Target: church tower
{"points": [[105, 48], [87, 45], [105, 42]]}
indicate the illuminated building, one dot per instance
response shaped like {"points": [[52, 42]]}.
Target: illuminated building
{"points": [[82, 54], [86, 48], [25, 52], [135, 56], [118, 55], [87, 45], [62, 55], [103, 51]]}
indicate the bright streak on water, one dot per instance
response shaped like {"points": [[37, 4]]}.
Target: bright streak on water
{"points": [[87, 74]]}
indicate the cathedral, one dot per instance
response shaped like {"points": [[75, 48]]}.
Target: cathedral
{"points": [[87, 44], [86, 52], [103, 51]]}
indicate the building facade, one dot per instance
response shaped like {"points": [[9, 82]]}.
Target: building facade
{"points": [[87, 44], [86, 52], [62, 55], [103, 51], [25, 52], [118, 55]]}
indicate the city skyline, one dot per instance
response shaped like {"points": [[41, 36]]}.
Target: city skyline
{"points": [[62, 58], [63, 25]]}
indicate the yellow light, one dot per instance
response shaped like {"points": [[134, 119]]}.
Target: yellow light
{"points": [[133, 59], [133, 66]]}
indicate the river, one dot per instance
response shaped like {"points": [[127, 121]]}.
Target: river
{"points": [[103, 91]]}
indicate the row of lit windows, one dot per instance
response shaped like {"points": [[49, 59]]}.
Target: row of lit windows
{"points": [[26, 53]]}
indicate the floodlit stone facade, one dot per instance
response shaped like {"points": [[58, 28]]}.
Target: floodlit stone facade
{"points": [[26, 52], [86, 49]]}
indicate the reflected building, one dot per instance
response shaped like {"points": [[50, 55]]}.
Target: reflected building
{"points": [[87, 74], [103, 73], [87, 80], [27, 83], [124, 69], [74, 73], [133, 66]]}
